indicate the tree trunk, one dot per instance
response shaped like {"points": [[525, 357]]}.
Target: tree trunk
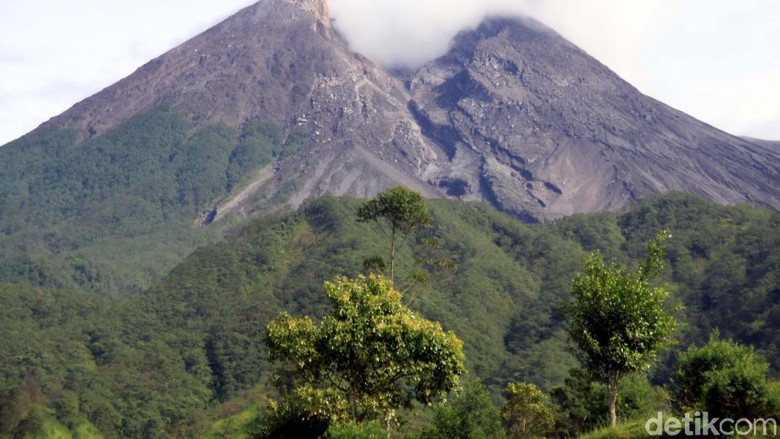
{"points": [[353, 402], [612, 393]]}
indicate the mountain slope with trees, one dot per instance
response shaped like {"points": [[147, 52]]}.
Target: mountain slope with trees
{"points": [[270, 107], [148, 363]]}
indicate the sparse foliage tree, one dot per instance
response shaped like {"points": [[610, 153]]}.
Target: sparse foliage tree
{"points": [[370, 355], [400, 211], [617, 321]]}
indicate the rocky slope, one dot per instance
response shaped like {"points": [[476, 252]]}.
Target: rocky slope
{"points": [[535, 124], [513, 114]]}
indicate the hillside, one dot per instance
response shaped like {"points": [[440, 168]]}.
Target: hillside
{"points": [[270, 108], [81, 360]]}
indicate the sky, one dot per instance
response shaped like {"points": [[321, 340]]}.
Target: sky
{"points": [[718, 60]]}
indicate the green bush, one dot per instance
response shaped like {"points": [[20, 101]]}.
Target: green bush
{"points": [[470, 415], [354, 430], [723, 378]]}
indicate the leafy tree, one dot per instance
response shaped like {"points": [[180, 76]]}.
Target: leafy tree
{"points": [[370, 353], [527, 412], [617, 321], [723, 378], [399, 208], [471, 415]]}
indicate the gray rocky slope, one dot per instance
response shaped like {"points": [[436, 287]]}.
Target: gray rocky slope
{"points": [[513, 114]]}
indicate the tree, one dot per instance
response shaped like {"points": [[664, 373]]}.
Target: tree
{"points": [[723, 378], [471, 415], [370, 354], [617, 321], [527, 412], [399, 208], [581, 404]]}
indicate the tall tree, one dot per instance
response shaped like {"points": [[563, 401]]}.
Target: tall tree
{"points": [[400, 210], [617, 321], [370, 354]]}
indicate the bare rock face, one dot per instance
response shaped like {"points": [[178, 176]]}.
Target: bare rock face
{"points": [[554, 132], [513, 114]]}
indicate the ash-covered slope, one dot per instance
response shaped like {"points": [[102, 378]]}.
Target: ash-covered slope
{"points": [[536, 125], [281, 61]]}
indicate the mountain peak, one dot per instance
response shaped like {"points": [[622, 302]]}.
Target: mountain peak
{"points": [[513, 114], [556, 132], [319, 8]]}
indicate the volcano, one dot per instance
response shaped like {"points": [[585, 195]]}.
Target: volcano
{"points": [[513, 115]]}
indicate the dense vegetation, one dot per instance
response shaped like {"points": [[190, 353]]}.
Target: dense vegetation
{"points": [[191, 348], [69, 203]]}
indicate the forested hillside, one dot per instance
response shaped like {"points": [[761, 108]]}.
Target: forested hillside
{"points": [[69, 203], [149, 364]]}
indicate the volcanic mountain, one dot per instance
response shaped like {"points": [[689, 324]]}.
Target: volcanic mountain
{"points": [[271, 107]]}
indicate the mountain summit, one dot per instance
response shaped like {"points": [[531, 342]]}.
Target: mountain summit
{"points": [[512, 114], [280, 61], [550, 127], [271, 107]]}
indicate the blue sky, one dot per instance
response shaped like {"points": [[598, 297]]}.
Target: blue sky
{"points": [[717, 60]]}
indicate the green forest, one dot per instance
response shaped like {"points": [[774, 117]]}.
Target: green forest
{"points": [[188, 356], [69, 202]]}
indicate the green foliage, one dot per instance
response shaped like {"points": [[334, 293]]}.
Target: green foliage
{"points": [[404, 210], [305, 413], [470, 415], [723, 378], [235, 425], [617, 321], [354, 430], [527, 412], [624, 430], [375, 353], [581, 403], [138, 187], [202, 324], [401, 209], [77, 358], [260, 142]]}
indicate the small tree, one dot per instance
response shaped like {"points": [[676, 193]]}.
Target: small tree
{"points": [[370, 354], [400, 210], [617, 321], [723, 378], [527, 412], [470, 415]]}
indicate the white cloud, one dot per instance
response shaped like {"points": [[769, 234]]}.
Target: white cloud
{"points": [[710, 58]]}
